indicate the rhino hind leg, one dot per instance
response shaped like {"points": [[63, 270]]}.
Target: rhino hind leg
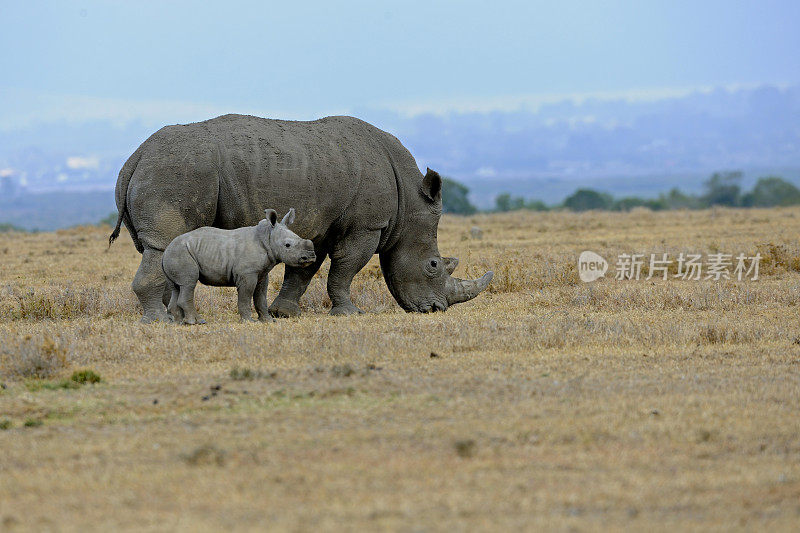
{"points": [[295, 283], [186, 303], [173, 309], [350, 255], [149, 284], [167, 296]]}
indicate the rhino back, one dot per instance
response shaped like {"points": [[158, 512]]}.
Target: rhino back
{"points": [[339, 173], [334, 171]]}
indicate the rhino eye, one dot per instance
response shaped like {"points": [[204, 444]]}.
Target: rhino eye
{"points": [[434, 263], [288, 245]]}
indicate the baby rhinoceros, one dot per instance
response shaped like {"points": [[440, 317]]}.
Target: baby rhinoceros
{"points": [[240, 258]]}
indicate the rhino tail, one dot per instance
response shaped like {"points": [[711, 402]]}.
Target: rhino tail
{"points": [[115, 233], [121, 193]]}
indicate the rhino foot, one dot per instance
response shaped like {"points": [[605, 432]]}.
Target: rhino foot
{"points": [[346, 309], [149, 318], [284, 309]]}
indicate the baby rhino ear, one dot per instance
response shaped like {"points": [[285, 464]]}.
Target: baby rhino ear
{"points": [[265, 226], [289, 217], [271, 215]]}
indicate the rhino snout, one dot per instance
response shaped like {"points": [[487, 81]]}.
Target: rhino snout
{"points": [[308, 256], [432, 307]]}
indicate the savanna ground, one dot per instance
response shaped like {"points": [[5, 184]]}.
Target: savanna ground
{"points": [[543, 403]]}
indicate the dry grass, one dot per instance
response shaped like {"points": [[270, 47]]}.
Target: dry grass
{"points": [[38, 356], [549, 403]]}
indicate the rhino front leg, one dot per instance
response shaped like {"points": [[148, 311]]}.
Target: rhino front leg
{"points": [[246, 287], [149, 284], [260, 299], [295, 283], [350, 255]]}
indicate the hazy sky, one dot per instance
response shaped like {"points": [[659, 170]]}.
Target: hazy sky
{"points": [[159, 60]]}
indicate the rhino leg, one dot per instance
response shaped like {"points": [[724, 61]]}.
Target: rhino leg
{"points": [[186, 303], [174, 309], [167, 296], [295, 283], [350, 255], [149, 285], [245, 287], [260, 299]]}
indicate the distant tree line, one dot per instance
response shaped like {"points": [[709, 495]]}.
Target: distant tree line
{"points": [[722, 188], [9, 227]]}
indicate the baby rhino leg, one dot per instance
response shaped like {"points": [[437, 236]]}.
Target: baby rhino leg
{"points": [[186, 303], [260, 299], [173, 309], [182, 274], [246, 286]]}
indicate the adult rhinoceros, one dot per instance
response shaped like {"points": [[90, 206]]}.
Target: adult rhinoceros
{"points": [[356, 189]]}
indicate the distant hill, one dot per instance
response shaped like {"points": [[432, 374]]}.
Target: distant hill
{"points": [[54, 210], [622, 146]]}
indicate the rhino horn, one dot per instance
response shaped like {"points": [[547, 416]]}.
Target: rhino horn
{"points": [[462, 290]]}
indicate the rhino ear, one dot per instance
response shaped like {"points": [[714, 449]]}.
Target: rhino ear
{"points": [[271, 216], [288, 218], [432, 185], [265, 227], [450, 264]]}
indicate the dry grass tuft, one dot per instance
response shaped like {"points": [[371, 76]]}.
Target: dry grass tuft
{"points": [[66, 302], [779, 257], [465, 447], [206, 455], [86, 376], [39, 356], [726, 333], [245, 373]]}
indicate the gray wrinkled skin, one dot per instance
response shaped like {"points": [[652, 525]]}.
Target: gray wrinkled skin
{"points": [[240, 258], [358, 189]]}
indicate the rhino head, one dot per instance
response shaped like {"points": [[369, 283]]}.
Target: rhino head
{"points": [[285, 245], [418, 277]]}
